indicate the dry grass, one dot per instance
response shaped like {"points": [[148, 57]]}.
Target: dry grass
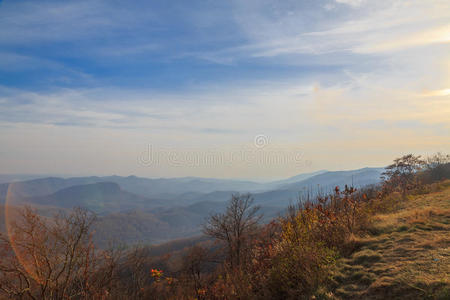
{"points": [[407, 254]]}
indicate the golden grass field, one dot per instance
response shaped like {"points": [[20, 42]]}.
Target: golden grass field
{"points": [[405, 256]]}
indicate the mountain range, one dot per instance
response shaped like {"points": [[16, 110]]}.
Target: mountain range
{"points": [[135, 209]]}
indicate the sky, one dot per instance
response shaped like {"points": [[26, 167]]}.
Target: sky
{"points": [[227, 89]]}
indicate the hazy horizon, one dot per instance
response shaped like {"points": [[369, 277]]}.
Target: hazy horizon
{"points": [[255, 179]]}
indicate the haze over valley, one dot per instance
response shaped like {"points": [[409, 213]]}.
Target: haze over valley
{"points": [[135, 209]]}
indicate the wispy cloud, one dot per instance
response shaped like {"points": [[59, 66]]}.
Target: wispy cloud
{"points": [[311, 73], [382, 26], [355, 3]]}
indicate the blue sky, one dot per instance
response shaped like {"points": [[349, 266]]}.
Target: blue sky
{"points": [[171, 46], [85, 86]]}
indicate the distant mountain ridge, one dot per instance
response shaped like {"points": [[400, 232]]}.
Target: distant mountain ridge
{"points": [[173, 208], [330, 179], [101, 198], [146, 187], [190, 189], [289, 192], [297, 178], [321, 183]]}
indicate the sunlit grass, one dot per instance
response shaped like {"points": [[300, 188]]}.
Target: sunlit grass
{"points": [[407, 255]]}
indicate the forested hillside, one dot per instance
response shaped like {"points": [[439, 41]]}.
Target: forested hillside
{"points": [[141, 210], [389, 240]]}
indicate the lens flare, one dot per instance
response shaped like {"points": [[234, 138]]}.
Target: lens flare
{"points": [[13, 205]]}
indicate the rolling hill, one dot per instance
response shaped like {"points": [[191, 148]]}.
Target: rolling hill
{"points": [[130, 209], [146, 187], [328, 180], [405, 255], [101, 198]]}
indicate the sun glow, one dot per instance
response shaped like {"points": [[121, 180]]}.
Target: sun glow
{"points": [[437, 93]]}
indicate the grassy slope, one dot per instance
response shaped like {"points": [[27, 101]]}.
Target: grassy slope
{"points": [[407, 256]]}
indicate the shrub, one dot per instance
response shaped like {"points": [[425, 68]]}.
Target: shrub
{"points": [[301, 262]]}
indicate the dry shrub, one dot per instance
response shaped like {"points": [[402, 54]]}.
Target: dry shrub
{"points": [[301, 260], [386, 203], [295, 263], [340, 215]]}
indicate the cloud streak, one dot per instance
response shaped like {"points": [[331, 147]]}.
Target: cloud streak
{"points": [[357, 74]]}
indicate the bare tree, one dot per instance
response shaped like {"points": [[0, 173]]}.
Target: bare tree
{"points": [[402, 173], [235, 227], [54, 258], [194, 265], [437, 167], [135, 272]]}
